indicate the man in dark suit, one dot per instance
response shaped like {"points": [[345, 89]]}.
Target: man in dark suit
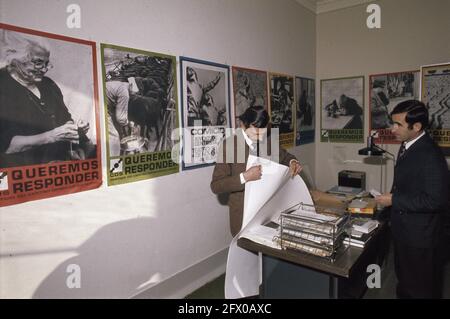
{"points": [[418, 199], [230, 174]]}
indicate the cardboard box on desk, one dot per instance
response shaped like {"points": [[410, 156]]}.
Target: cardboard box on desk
{"points": [[369, 209], [328, 200]]}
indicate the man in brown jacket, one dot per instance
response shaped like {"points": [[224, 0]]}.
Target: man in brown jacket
{"points": [[230, 174]]}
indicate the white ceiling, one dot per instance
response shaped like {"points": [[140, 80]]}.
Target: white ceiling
{"points": [[321, 6]]}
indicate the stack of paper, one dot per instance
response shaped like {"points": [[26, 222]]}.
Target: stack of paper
{"points": [[357, 239], [365, 225], [262, 235]]}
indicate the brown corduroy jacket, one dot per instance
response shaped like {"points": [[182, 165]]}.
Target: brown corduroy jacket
{"points": [[226, 179]]}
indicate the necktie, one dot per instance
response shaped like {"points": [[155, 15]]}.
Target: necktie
{"points": [[401, 151]]}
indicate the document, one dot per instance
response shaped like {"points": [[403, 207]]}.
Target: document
{"points": [[264, 200], [262, 235]]}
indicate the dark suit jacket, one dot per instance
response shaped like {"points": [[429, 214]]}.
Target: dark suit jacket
{"points": [[419, 194], [226, 178]]}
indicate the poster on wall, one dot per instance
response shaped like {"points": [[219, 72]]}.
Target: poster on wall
{"points": [[205, 110], [435, 92], [249, 89], [386, 91], [141, 113], [49, 125], [282, 107], [305, 114], [342, 110]]}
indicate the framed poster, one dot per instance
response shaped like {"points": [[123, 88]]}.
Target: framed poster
{"points": [[386, 91], [49, 125], [435, 93], [141, 113], [249, 89], [205, 110], [282, 107], [305, 114], [342, 110]]}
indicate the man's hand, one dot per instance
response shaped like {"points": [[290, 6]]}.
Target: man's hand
{"points": [[253, 173], [384, 199], [295, 167], [67, 132]]}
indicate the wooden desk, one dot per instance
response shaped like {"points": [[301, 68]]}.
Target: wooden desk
{"points": [[293, 274]]}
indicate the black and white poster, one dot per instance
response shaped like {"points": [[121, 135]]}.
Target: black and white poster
{"points": [[49, 125], [249, 89], [205, 110], [141, 112], [342, 110], [435, 92], [306, 102], [282, 107], [386, 91]]}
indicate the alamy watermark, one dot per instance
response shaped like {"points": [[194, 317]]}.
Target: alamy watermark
{"points": [[73, 21], [374, 279], [374, 19], [202, 144], [73, 280]]}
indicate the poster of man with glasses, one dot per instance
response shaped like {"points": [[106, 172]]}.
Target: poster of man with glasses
{"points": [[47, 113]]}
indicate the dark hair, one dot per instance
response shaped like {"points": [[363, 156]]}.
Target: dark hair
{"points": [[416, 112], [255, 115]]}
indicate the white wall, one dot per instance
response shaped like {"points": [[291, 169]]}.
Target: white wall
{"points": [[128, 238], [413, 33]]}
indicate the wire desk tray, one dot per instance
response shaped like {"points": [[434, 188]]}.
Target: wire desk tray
{"points": [[313, 229]]}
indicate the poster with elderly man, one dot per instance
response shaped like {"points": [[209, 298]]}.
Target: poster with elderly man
{"points": [[49, 125], [141, 113]]}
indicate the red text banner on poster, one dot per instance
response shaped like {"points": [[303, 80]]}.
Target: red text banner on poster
{"points": [[385, 136], [43, 181]]}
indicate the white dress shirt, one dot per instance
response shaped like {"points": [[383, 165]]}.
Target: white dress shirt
{"points": [[408, 144], [251, 145]]}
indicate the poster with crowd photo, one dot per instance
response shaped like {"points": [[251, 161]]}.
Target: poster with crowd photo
{"points": [[435, 92], [141, 113], [282, 107], [386, 91], [305, 115], [205, 110], [49, 125], [342, 110], [249, 89]]}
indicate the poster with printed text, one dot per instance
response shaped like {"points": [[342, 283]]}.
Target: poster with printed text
{"points": [[435, 93], [305, 114], [249, 89], [49, 125], [386, 91], [342, 110], [282, 107], [141, 113], [205, 110]]}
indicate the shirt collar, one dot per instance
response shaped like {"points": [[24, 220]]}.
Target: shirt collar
{"points": [[248, 140], [408, 144]]}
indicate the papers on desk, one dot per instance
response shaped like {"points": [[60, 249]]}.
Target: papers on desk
{"points": [[362, 206], [274, 192], [262, 235], [312, 221], [365, 225], [343, 190]]}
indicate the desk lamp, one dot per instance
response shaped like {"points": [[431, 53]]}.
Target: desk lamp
{"points": [[374, 150]]}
